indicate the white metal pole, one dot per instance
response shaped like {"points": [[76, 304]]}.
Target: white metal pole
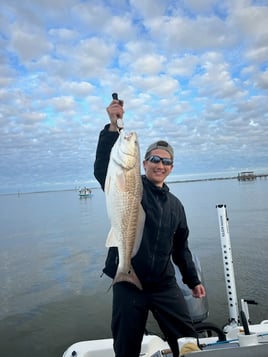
{"points": [[228, 264]]}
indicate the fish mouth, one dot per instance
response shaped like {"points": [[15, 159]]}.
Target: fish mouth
{"points": [[127, 136]]}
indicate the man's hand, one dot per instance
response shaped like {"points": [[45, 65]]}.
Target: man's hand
{"points": [[199, 291], [115, 111]]}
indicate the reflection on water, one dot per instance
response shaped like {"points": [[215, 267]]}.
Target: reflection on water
{"points": [[53, 250]]}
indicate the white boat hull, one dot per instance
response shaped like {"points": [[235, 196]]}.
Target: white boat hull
{"points": [[156, 347], [104, 347]]}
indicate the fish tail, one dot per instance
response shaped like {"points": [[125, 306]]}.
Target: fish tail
{"points": [[129, 276]]}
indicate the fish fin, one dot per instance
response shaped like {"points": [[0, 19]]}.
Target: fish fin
{"points": [[129, 276], [139, 231], [121, 183], [111, 240]]}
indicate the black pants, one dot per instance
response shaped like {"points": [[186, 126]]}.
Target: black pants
{"points": [[130, 312]]}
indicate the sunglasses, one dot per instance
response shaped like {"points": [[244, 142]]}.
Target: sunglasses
{"points": [[156, 159]]}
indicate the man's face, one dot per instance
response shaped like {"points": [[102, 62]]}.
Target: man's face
{"points": [[157, 172]]}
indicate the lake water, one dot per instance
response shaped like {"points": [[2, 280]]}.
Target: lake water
{"points": [[52, 250]]}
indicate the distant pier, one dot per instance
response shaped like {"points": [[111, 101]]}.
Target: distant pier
{"points": [[246, 176], [242, 176]]}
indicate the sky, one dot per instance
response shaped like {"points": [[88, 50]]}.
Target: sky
{"points": [[194, 73]]}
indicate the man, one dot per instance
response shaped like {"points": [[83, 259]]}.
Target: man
{"points": [[165, 235]]}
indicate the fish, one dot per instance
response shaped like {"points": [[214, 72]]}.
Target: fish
{"points": [[123, 193]]}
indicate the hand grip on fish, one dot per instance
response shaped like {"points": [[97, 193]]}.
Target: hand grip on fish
{"points": [[120, 124]]}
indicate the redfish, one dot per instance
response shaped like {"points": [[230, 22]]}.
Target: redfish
{"points": [[123, 192]]}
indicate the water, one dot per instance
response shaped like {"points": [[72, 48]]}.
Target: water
{"points": [[52, 249]]}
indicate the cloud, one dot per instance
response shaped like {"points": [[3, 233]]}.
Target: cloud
{"points": [[193, 73]]}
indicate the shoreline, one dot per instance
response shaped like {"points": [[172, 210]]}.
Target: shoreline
{"points": [[256, 176]]}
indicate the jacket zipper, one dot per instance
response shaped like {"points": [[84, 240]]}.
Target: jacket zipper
{"points": [[158, 234]]}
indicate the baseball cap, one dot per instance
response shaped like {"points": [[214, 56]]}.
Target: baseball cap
{"points": [[161, 144]]}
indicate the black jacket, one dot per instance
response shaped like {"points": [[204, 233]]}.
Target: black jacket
{"points": [[165, 231]]}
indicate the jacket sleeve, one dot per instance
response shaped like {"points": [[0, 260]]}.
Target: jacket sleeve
{"points": [[182, 255], [106, 141]]}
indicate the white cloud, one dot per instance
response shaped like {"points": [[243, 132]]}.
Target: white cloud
{"points": [[149, 8], [180, 34], [28, 46], [149, 64], [262, 80], [157, 85], [183, 66], [193, 73]]}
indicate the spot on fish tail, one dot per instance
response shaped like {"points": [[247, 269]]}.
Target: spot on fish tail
{"points": [[129, 276]]}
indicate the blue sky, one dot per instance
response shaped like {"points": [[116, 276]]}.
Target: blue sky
{"points": [[194, 73]]}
